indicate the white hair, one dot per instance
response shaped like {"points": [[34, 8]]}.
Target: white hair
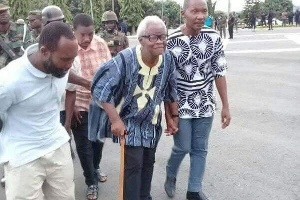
{"points": [[141, 31]]}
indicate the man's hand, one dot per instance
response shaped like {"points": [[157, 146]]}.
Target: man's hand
{"points": [[225, 117], [68, 127], [118, 128], [88, 85], [76, 117], [172, 126]]}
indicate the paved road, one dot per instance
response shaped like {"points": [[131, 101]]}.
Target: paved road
{"points": [[257, 157]]}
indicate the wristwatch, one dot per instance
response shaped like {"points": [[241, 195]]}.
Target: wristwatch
{"points": [[173, 116]]}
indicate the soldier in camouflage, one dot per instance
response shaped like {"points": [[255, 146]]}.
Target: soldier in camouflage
{"points": [[12, 39], [116, 41], [35, 23], [50, 14]]}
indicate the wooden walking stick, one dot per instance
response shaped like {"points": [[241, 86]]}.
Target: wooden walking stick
{"points": [[122, 164]]}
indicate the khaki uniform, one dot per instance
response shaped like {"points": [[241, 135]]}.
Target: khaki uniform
{"points": [[116, 42], [35, 36], [14, 39]]}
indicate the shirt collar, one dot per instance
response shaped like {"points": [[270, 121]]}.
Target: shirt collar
{"points": [[93, 46], [33, 70], [146, 70]]}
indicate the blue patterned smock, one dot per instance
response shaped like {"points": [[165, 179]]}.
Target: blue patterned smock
{"points": [[137, 91]]}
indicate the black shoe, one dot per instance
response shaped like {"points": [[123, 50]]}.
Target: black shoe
{"points": [[196, 196]]}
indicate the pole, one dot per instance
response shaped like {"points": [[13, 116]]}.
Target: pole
{"points": [[122, 164], [113, 5], [162, 9], [92, 13], [229, 7]]}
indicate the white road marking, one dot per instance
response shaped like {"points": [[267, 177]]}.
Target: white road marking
{"points": [[253, 41], [263, 51], [295, 38], [266, 34]]}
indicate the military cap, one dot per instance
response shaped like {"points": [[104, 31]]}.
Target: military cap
{"points": [[35, 12], [3, 6], [109, 16], [20, 21]]}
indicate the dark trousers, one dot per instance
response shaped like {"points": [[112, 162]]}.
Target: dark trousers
{"points": [[230, 30], [270, 26], [89, 153], [139, 164]]}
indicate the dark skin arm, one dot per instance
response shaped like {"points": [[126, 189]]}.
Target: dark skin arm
{"points": [[117, 125], [222, 89], [78, 80], [171, 114], [69, 107]]}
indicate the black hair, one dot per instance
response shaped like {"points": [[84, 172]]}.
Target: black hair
{"points": [[82, 20], [52, 33]]}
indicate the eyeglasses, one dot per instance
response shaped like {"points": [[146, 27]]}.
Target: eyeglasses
{"points": [[154, 38]]}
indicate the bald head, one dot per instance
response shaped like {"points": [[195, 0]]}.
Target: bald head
{"points": [[186, 3]]}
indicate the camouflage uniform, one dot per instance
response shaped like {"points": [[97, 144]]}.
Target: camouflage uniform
{"points": [[50, 14], [116, 41], [34, 36], [34, 32], [14, 40]]}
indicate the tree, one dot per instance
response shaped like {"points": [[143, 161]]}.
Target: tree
{"points": [[132, 12], [172, 12], [19, 8], [108, 6], [151, 7], [278, 6], [37, 4], [64, 7], [251, 6], [211, 7], [98, 9]]}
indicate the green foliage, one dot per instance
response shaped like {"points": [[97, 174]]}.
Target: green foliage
{"points": [[151, 7], [251, 6], [37, 4], [278, 6], [63, 4], [98, 9], [172, 12], [19, 8], [211, 7], [259, 7], [132, 12]]}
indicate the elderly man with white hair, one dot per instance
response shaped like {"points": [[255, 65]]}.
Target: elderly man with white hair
{"points": [[137, 81]]}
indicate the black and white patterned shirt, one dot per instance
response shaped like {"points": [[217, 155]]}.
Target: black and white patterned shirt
{"points": [[199, 61]]}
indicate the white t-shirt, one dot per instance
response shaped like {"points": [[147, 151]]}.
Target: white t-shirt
{"points": [[30, 103]]}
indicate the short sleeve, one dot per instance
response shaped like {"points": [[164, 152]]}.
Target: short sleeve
{"points": [[6, 99], [76, 69], [219, 64], [171, 89]]}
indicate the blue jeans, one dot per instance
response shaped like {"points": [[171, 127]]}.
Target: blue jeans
{"points": [[191, 138]]}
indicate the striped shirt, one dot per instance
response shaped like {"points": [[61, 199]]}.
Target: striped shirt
{"points": [[90, 59], [199, 61], [138, 92]]}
